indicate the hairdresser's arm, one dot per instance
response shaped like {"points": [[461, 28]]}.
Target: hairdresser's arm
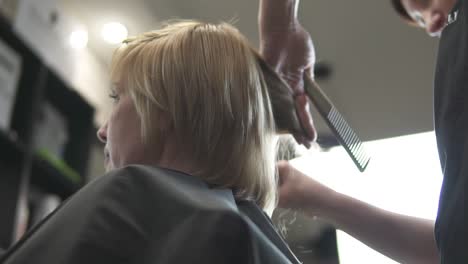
{"points": [[284, 43], [288, 49], [402, 238]]}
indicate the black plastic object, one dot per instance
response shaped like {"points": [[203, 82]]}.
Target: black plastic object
{"points": [[338, 125]]}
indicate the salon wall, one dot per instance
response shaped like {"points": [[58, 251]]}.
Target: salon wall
{"points": [[383, 69]]}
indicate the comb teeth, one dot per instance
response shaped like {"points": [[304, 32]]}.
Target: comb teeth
{"points": [[349, 139]]}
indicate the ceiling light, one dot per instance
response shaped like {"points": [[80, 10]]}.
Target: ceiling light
{"points": [[114, 32], [79, 39]]}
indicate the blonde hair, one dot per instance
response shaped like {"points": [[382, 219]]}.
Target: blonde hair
{"points": [[210, 83]]}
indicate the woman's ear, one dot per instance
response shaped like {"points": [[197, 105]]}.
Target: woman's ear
{"points": [[282, 100]]}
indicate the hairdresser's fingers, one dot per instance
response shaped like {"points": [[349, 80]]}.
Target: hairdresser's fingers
{"points": [[300, 139], [305, 117], [307, 144], [294, 78], [310, 72], [306, 120], [299, 132]]}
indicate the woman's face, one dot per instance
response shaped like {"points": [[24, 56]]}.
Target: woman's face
{"points": [[122, 134]]}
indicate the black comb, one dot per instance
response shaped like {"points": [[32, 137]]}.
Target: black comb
{"points": [[338, 125]]}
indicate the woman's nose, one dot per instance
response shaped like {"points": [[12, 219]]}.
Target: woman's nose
{"points": [[102, 133]]}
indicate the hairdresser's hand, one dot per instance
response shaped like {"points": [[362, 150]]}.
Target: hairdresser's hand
{"points": [[300, 192], [288, 48]]}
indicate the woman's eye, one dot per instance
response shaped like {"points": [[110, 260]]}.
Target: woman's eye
{"points": [[114, 96]]}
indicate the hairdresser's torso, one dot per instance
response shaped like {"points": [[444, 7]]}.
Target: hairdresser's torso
{"points": [[451, 126]]}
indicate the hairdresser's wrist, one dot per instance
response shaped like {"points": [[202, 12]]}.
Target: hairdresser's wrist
{"points": [[277, 16], [336, 208], [318, 200]]}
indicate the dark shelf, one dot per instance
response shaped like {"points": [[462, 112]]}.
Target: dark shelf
{"points": [[79, 116], [50, 179], [12, 149], [21, 166]]}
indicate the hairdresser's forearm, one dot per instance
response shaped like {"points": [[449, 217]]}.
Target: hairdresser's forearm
{"points": [[277, 15], [403, 238], [276, 19]]}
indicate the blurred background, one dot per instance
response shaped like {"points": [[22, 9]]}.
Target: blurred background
{"points": [[54, 58]]}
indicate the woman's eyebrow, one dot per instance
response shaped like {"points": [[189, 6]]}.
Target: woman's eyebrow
{"points": [[115, 87]]}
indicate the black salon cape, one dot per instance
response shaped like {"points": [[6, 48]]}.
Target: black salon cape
{"points": [[142, 214]]}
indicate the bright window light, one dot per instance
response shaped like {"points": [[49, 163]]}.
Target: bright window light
{"points": [[403, 176], [79, 39], [114, 32]]}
